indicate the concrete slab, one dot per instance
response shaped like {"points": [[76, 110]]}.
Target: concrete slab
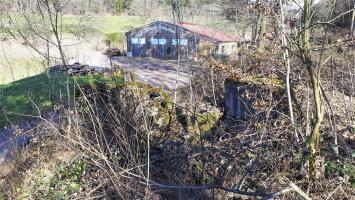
{"points": [[155, 71]]}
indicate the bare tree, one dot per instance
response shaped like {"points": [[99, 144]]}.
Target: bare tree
{"points": [[38, 23], [314, 75], [286, 59], [53, 10], [314, 72]]}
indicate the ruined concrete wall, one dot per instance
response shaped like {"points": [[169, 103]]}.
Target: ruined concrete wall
{"points": [[258, 97], [227, 48], [238, 104]]}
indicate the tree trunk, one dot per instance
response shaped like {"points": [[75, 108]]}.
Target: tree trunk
{"points": [[60, 48], [287, 63], [261, 32], [352, 30], [314, 76], [54, 16], [255, 28]]}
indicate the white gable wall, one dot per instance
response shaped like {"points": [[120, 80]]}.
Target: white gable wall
{"points": [[227, 48]]}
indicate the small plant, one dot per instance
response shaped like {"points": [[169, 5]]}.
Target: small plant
{"points": [[343, 169], [114, 39], [62, 183], [66, 181]]}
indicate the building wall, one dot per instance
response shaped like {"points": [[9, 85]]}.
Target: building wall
{"points": [[227, 48], [160, 41]]}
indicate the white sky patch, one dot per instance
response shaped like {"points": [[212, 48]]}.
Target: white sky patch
{"points": [[296, 3]]}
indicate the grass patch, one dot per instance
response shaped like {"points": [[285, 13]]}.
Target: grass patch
{"points": [[55, 173], [116, 24], [35, 94], [107, 24], [21, 68], [112, 27], [115, 39], [61, 183]]}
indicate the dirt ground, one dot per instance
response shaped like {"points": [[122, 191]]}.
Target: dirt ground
{"points": [[155, 71]]}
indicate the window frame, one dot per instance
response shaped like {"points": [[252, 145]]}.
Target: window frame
{"points": [[181, 42], [154, 41], [174, 42], [140, 41], [223, 49], [162, 39], [135, 40]]}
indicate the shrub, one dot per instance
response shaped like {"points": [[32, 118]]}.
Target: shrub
{"points": [[114, 39]]}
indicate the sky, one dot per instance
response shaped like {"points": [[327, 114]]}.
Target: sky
{"points": [[300, 2]]}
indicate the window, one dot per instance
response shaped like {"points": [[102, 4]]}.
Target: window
{"points": [[182, 42], [174, 42], [135, 40], [141, 40], [223, 49], [138, 40], [158, 41], [154, 41], [162, 41]]}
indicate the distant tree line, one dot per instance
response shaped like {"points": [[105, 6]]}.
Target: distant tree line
{"points": [[121, 5], [75, 7]]}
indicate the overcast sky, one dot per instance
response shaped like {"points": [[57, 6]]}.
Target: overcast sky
{"points": [[300, 2]]}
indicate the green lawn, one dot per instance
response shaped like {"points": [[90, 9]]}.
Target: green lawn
{"points": [[21, 68], [34, 89], [116, 24], [37, 93], [112, 27], [107, 24]]}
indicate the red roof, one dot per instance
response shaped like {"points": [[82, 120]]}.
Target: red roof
{"points": [[209, 32]]}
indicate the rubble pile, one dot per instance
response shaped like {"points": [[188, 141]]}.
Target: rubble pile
{"points": [[111, 52], [78, 69]]}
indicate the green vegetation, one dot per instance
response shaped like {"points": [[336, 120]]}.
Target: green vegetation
{"points": [[345, 168], [39, 93], [114, 39], [121, 5], [62, 184], [100, 24], [21, 68], [207, 120], [112, 27], [108, 24], [181, 3], [28, 96]]}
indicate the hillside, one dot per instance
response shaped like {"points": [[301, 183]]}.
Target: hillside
{"points": [[177, 99]]}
